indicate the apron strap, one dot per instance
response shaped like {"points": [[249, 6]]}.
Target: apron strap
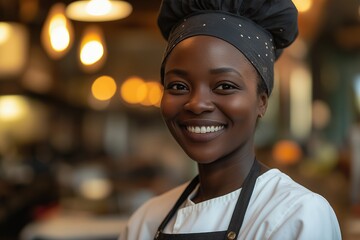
{"points": [[243, 201], [192, 185]]}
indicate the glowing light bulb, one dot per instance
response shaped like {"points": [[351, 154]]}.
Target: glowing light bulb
{"points": [[98, 7], [92, 52], [98, 10], [57, 32]]}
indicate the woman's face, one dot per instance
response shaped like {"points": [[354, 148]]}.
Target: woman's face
{"points": [[210, 102]]}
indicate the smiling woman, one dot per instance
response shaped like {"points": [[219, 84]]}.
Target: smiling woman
{"points": [[217, 74]]}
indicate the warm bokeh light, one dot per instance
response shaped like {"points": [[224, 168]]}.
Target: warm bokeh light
{"points": [[13, 48], [13, 107], [57, 33], [22, 119], [103, 88], [92, 51], [154, 94], [98, 7], [98, 10], [5, 31], [287, 152], [133, 90], [300, 103], [303, 5], [95, 188]]}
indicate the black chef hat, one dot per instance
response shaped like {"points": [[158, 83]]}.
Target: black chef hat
{"points": [[260, 29]]}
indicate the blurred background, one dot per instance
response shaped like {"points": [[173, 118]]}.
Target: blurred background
{"points": [[82, 141]]}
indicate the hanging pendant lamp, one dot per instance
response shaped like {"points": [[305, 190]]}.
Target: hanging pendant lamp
{"points": [[98, 10]]}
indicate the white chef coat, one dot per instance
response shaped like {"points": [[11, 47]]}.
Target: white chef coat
{"points": [[279, 209]]}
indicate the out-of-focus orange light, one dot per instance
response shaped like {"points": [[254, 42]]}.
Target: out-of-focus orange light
{"points": [[154, 94], [133, 90], [103, 88], [287, 152], [303, 5]]}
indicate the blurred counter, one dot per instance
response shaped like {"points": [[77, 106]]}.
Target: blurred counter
{"points": [[75, 227]]}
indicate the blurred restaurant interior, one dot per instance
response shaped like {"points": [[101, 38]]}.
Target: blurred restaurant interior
{"points": [[82, 141]]}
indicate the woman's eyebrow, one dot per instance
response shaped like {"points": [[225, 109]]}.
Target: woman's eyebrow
{"points": [[178, 72], [224, 70]]}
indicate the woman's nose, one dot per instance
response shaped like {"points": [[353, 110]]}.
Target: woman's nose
{"points": [[199, 102]]}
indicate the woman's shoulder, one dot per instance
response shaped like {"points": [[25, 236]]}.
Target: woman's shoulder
{"points": [[163, 201], [146, 219], [278, 188], [285, 188], [277, 183], [290, 208]]}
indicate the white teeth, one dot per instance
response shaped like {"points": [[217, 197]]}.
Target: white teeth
{"points": [[197, 130], [204, 129]]}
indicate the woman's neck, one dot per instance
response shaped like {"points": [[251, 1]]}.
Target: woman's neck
{"points": [[223, 176]]}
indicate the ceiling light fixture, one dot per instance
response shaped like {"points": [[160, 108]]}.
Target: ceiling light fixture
{"points": [[57, 32], [98, 10], [92, 50]]}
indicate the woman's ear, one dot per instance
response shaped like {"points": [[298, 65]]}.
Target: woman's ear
{"points": [[262, 104]]}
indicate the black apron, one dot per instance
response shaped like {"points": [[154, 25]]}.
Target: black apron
{"points": [[236, 219]]}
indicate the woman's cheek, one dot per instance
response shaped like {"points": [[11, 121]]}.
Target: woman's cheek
{"points": [[168, 106]]}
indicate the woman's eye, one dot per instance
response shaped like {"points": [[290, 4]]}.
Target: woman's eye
{"points": [[225, 86], [177, 87]]}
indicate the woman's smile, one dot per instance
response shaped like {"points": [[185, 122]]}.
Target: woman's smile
{"points": [[204, 129], [199, 130]]}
